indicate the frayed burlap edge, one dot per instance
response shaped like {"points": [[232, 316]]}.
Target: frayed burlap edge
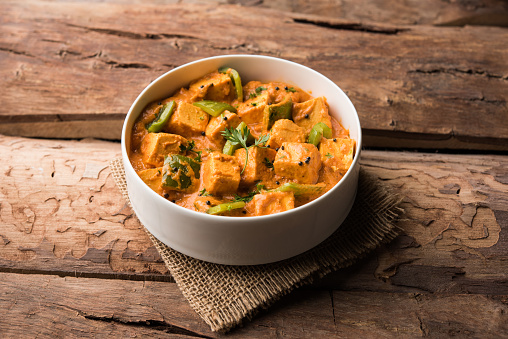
{"points": [[224, 296]]}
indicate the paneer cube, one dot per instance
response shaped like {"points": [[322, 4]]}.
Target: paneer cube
{"points": [[251, 112], [259, 164], [279, 90], [308, 113], [221, 174], [298, 162], [155, 146], [271, 202], [338, 154], [152, 177], [219, 124], [187, 120], [214, 86], [285, 130], [183, 95]]}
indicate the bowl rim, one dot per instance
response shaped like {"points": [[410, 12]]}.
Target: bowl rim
{"points": [[233, 219]]}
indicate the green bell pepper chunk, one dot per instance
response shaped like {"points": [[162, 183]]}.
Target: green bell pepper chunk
{"points": [[318, 131], [281, 110], [225, 207], [235, 77], [300, 189], [230, 147], [214, 108], [165, 113], [177, 172]]}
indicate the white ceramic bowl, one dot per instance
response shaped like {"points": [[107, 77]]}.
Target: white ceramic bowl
{"points": [[247, 240]]}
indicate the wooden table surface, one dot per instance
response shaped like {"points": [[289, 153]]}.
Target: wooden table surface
{"points": [[429, 80]]}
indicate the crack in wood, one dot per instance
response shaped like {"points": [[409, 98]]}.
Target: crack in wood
{"points": [[423, 328], [115, 64], [5, 239], [455, 71], [178, 36], [14, 51], [333, 309], [119, 33], [450, 189], [132, 35], [148, 323], [129, 276], [351, 26]]}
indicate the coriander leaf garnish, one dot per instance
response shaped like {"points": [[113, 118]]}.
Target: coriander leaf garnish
{"points": [[257, 92], [239, 137], [198, 156], [204, 193], [190, 148], [250, 195], [261, 140]]}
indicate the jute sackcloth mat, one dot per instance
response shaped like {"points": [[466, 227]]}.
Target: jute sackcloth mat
{"points": [[223, 296]]}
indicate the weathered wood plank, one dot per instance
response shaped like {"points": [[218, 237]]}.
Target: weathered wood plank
{"points": [[455, 225], [60, 213], [49, 306], [431, 12], [76, 62]]}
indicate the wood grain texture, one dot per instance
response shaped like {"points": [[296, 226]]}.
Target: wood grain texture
{"points": [[431, 12], [455, 225], [62, 214], [49, 306], [82, 62]]}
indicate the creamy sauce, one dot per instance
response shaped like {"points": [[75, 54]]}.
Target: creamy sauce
{"points": [[257, 97]]}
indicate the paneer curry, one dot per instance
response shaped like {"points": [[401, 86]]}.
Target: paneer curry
{"points": [[226, 148]]}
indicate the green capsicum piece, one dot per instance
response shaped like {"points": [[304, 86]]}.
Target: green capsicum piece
{"points": [[230, 147], [214, 108], [165, 113], [237, 81], [300, 189], [225, 207], [179, 172], [318, 131], [281, 110]]}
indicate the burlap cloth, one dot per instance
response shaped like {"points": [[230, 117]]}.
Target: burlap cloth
{"points": [[223, 296]]}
